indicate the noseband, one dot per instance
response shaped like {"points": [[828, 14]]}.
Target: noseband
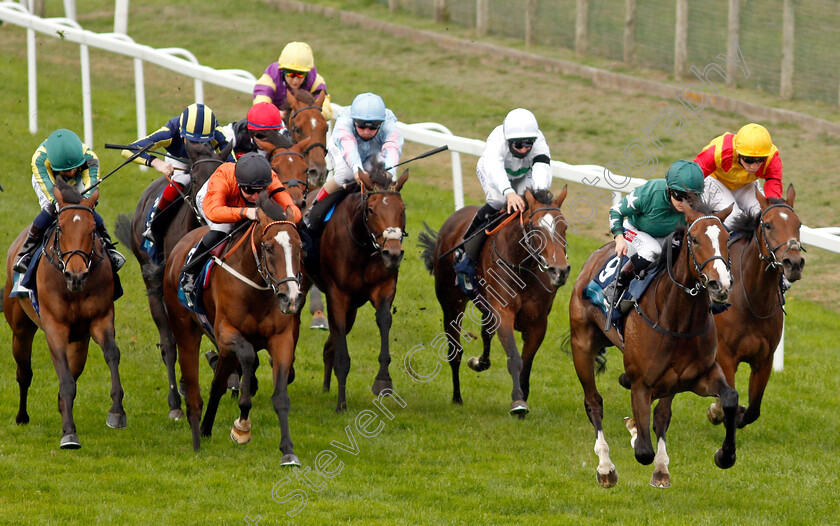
{"points": [[291, 183], [59, 258], [272, 282], [698, 267], [388, 233], [297, 130], [792, 244]]}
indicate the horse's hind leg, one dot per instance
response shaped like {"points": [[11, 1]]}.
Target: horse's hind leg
{"points": [[282, 350], [168, 350], [482, 363], [24, 332], [661, 420], [329, 362], [224, 367], [102, 332], [452, 317]]}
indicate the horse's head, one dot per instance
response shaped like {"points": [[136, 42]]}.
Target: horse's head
{"points": [[277, 248], [290, 167], [384, 214], [706, 241], [73, 246], [307, 121], [203, 162], [778, 235], [545, 235]]}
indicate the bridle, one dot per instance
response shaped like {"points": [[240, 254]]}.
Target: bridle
{"points": [[387, 234], [291, 183], [296, 130], [792, 244], [703, 280], [272, 282], [59, 258]]}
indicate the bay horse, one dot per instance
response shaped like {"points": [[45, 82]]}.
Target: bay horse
{"points": [[359, 261], [749, 331], [178, 220], [305, 121], [75, 293], [520, 268], [669, 343], [291, 167], [251, 301]]}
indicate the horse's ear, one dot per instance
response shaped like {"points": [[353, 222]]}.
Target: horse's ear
{"points": [[562, 196], [90, 202], [791, 195], [57, 191], [723, 214], [691, 215], [225, 153], [529, 198], [401, 181], [290, 95], [290, 213], [366, 182], [761, 199]]}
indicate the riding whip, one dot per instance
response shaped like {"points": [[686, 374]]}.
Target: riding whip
{"points": [[133, 156], [196, 257], [491, 223], [613, 286], [421, 156], [154, 152]]}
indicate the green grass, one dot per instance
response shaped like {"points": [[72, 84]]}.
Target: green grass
{"points": [[434, 463]]}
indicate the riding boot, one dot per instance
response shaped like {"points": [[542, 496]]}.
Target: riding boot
{"points": [[167, 197], [196, 260], [635, 265], [314, 220], [33, 240], [466, 258], [117, 259]]}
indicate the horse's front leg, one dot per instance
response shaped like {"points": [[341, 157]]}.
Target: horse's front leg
{"points": [[518, 405], [341, 316], [532, 338], [714, 384], [57, 336], [661, 420], [102, 332], [382, 299], [281, 347], [225, 365], [232, 343], [759, 376], [641, 400]]}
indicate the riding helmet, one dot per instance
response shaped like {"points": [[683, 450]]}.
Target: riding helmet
{"points": [[64, 150], [368, 107], [753, 140], [296, 56], [520, 124], [685, 176], [253, 169], [264, 116], [197, 123]]}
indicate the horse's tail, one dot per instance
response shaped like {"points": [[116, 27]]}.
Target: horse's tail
{"points": [[600, 358], [153, 276], [123, 229], [427, 241]]}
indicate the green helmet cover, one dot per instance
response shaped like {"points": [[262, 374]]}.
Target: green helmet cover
{"points": [[64, 150], [685, 176]]}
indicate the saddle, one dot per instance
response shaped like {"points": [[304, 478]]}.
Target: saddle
{"points": [[594, 291]]}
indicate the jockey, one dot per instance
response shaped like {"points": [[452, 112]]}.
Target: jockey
{"points": [[516, 157], [642, 220], [252, 133], [294, 69], [62, 155], [363, 133], [230, 196], [733, 163], [197, 124]]}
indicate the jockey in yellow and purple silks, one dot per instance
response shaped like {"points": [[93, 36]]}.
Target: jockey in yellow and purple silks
{"points": [[196, 123], [294, 69], [63, 155], [732, 164]]}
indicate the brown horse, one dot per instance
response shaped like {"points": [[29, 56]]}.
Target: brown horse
{"points": [[251, 302], [291, 167], [360, 255], [305, 121], [177, 221], [520, 269], [749, 331], [669, 344], [75, 292]]}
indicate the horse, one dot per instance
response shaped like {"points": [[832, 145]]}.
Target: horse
{"points": [[521, 266], [75, 292], [291, 168], [359, 261], [669, 343], [305, 121], [251, 302], [182, 219], [749, 331]]}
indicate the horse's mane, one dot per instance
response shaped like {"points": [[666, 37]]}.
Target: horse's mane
{"points": [[703, 207], [544, 197], [747, 222], [272, 208], [378, 176], [68, 192], [305, 97]]}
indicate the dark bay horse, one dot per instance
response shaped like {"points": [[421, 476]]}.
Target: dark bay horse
{"points": [[257, 312], [360, 255], [305, 121], [520, 269], [181, 219], [291, 168], [749, 331], [669, 344], [75, 291]]}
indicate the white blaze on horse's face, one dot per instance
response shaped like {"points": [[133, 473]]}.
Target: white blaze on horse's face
{"points": [[392, 232], [713, 231], [283, 239], [76, 218]]}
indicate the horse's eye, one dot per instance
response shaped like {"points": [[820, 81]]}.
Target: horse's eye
{"points": [[693, 239], [370, 211], [768, 226]]}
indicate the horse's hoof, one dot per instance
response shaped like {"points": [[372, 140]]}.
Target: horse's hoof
{"points": [[320, 323], [519, 408], [115, 421], [22, 419], [457, 400], [70, 441], [608, 480], [241, 431], [661, 480], [289, 459], [381, 385], [233, 382], [341, 407], [715, 414], [476, 364], [176, 414], [724, 461]]}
